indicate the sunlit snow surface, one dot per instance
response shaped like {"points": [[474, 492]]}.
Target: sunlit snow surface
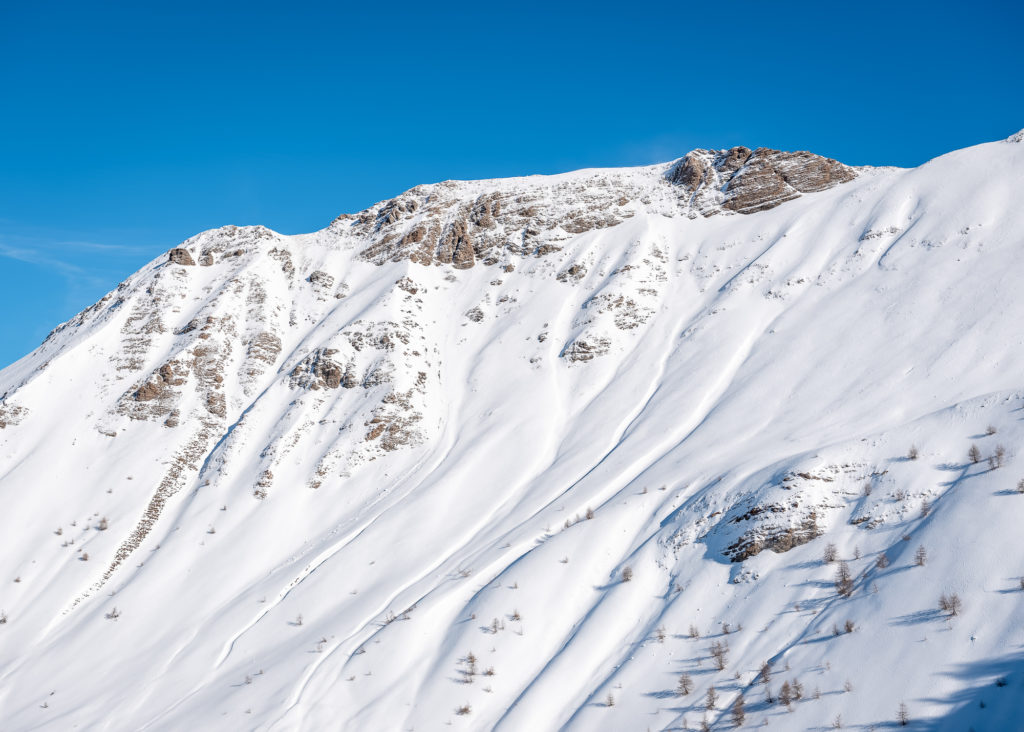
{"points": [[775, 362]]}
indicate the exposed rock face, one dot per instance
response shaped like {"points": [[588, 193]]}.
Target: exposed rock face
{"points": [[779, 540], [318, 371], [441, 225], [581, 350], [10, 415], [748, 181], [437, 225], [790, 512], [162, 379], [181, 256], [321, 280], [264, 347]]}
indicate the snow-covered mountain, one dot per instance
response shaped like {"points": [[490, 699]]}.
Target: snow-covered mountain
{"points": [[524, 454]]}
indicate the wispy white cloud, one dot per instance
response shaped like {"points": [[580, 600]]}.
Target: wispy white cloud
{"points": [[44, 259]]}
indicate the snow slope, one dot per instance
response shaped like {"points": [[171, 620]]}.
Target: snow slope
{"points": [[314, 473]]}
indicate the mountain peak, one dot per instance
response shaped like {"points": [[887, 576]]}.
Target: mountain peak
{"points": [[490, 451], [748, 181]]}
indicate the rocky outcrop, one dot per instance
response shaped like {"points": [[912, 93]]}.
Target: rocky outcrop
{"points": [[158, 384], [778, 539], [10, 415], [439, 225], [181, 256], [318, 371], [394, 423], [745, 181], [321, 280], [581, 350], [264, 347]]}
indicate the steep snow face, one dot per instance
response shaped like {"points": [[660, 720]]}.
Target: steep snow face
{"points": [[392, 474]]}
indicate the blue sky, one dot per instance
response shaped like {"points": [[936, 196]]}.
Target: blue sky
{"points": [[127, 127]]}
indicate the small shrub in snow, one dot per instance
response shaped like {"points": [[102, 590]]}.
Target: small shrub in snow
{"points": [[830, 554], [711, 699], [609, 700], [850, 626], [1020, 485], [990, 430], [103, 525], [114, 614], [902, 716], [765, 674], [797, 688], [847, 686], [627, 573], [920, 556], [997, 458], [844, 580], [912, 453], [685, 685], [974, 454], [837, 723], [719, 652], [516, 616], [694, 632], [85, 556], [950, 604], [926, 508], [786, 695], [739, 713], [3, 618], [590, 513], [464, 710]]}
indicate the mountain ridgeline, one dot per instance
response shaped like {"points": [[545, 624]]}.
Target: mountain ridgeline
{"points": [[524, 453]]}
